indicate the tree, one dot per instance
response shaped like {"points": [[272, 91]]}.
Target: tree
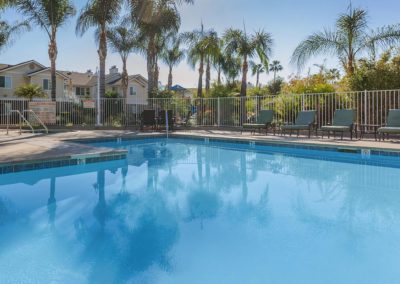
{"points": [[9, 31], [30, 91], [275, 67], [247, 46], [350, 38], [197, 52], [218, 60], [155, 19], [123, 40], [172, 55], [211, 47], [99, 14], [231, 67], [382, 74], [257, 69], [49, 15]]}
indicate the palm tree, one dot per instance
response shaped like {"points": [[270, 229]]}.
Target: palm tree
{"points": [[212, 45], [172, 55], [350, 38], [257, 69], [199, 42], [218, 60], [49, 15], [231, 67], [99, 14], [247, 46], [9, 31], [275, 67], [155, 19], [123, 40]]}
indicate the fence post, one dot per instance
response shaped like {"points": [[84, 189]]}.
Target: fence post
{"points": [[365, 107], [219, 112]]}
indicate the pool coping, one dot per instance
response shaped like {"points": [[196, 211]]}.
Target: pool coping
{"points": [[109, 154], [248, 140]]}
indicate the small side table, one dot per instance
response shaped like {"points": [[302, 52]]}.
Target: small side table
{"points": [[364, 130]]}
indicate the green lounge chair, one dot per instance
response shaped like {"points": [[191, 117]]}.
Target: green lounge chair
{"points": [[264, 121], [304, 121], [392, 126], [343, 121]]}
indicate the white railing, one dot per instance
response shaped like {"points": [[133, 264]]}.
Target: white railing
{"points": [[372, 108]]}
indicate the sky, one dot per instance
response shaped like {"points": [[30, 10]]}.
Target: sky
{"points": [[289, 22]]}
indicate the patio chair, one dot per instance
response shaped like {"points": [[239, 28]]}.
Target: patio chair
{"points": [[343, 121], [162, 119], [392, 126], [264, 121], [304, 121], [148, 118]]}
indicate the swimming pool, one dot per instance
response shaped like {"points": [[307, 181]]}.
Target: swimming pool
{"points": [[189, 211]]}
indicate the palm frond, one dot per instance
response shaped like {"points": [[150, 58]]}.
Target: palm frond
{"points": [[326, 42]]}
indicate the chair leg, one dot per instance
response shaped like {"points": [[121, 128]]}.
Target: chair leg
{"points": [[309, 133], [351, 135], [341, 138], [298, 133]]}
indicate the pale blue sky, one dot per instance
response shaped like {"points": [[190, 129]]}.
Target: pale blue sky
{"points": [[289, 21]]}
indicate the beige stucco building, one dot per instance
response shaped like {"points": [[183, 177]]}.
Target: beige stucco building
{"points": [[70, 85], [29, 72]]}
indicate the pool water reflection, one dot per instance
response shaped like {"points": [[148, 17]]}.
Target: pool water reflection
{"points": [[183, 212]]}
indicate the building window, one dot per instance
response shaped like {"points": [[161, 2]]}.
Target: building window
{"points": [[46, 84], [80, 91], [132, 91], [5, 82]]}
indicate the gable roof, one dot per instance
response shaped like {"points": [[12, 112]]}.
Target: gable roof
{"points": [[7, 67], [81, 79], [46, 69]]}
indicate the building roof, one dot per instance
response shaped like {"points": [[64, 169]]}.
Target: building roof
{"points": [[81, 79], [46, 69], [6, 67]]}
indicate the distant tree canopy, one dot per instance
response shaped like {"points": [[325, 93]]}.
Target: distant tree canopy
{"points": [[383, 74]]}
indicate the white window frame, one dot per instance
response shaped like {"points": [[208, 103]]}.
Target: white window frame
{"points": [[5, 82], [135, 91], [48, 84]]}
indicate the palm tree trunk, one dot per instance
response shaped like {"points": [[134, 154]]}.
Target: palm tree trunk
{"points": [[170, 78], [125, 83], [125, 78], [274, 76], [208, 75], [151, 66], [201, 72], [258, 79], [102, 57], [219, 75], [53, 57], [243, 90], [156, 75]]}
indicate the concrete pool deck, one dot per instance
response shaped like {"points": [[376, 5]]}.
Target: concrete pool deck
{"points": [[16, 148]]}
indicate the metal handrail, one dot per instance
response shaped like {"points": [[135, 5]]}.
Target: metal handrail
{"points": [[38, 119], [21, 117]]}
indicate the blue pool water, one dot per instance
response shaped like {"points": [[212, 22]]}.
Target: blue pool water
{"points": [[185, 212]]}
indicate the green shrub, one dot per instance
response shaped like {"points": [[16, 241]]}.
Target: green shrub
{"points": [[30, 91]]}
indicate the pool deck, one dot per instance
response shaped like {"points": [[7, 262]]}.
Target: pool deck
{"points": [[16, 148]]}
